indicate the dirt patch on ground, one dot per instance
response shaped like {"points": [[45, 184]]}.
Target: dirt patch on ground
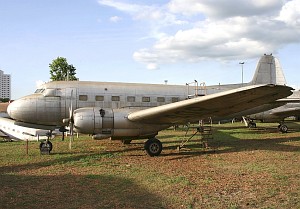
{"points": [[242, 168], [3, 107]]}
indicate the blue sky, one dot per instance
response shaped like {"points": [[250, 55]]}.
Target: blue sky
{"points": [[147, 41]]}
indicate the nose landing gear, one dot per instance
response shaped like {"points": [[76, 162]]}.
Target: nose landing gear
{"points": [[46, 146]]}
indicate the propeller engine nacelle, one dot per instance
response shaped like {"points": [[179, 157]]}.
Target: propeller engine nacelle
{"points": [[104, 123]]}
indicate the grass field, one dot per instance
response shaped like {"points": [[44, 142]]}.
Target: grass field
{"points": [[242, 168]]}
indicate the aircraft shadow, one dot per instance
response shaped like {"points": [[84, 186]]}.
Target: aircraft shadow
{"points": [[82, 190], [228, 144]]}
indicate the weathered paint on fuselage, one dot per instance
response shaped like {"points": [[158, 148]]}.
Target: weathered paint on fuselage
{"points": [[52, 102]]}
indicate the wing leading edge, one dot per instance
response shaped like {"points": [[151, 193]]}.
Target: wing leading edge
{"points": [[215, 105]]}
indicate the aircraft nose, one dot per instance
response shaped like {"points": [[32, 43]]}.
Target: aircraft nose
{"points": [[22, 109], [36, 109]]}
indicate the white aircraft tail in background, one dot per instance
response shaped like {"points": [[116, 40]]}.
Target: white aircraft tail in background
{"points": [[268, 70]]}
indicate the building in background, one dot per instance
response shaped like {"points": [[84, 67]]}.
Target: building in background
{"points": [[5, 85]]}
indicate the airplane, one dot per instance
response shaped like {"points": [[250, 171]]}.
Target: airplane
{"points": [[126, 111], [275, 115], [276, 111]]}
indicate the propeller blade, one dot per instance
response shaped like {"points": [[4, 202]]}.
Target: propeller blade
{"points": [[71, 121]]}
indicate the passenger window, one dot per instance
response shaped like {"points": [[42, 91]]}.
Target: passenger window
{"points": [[161, 99], [175, 99], [115, 98], [99, 98], [83, 97], [130, 99], [146, 99]]}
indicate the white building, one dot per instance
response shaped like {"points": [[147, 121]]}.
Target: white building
{"points": [[5, 85]]}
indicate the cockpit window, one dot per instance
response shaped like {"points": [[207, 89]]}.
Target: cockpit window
{"points": [[39, 91], [49, 92]]}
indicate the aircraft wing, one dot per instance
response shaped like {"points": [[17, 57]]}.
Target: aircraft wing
{"points": [[286, 112], [284, 101], [214, 105]]}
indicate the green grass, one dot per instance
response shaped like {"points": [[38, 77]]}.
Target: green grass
{"points": [[242, 168]]}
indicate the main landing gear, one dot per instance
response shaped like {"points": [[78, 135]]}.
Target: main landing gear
{"points": [[153, 147], [283, 128], [251, 124]]}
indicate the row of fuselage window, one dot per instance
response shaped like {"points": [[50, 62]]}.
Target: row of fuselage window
{"points": [[129, 99]]}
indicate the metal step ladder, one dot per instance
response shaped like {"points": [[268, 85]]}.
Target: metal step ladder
{"points": [[203, 131], [199, 89], [206, 132]]}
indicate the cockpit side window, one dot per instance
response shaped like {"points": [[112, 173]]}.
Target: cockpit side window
{"points": [[49, 92], [39, 91]]}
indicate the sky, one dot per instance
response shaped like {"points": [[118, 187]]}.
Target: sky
{"points": [[147, 41]]}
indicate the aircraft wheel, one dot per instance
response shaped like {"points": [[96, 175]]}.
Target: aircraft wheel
{"points": [[46, 146], [252, 125], [283, 128], [126, 141], [153, 147]]}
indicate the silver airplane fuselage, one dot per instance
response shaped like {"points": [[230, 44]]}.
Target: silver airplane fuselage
{"points": [[55, 101], [51, 103], [277, 114]]}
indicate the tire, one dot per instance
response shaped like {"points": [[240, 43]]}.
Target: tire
{"points": [[252, 125], [153, 147], [283, 128], [46, 145]]}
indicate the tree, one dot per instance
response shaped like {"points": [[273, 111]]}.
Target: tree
{"points": [[4, 99], [60, 70]]}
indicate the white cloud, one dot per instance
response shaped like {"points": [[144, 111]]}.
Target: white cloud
{"points": [[39, 83], [290, 13], [115, 19], [152, 66], [158, 13], [211, 29], [224, 8]]}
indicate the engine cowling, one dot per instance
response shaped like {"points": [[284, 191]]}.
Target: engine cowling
{"points": [[104, 123]]}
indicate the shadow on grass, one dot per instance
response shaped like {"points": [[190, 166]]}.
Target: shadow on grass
{"points": [[74, 191], [22, 190], [226, 143]]}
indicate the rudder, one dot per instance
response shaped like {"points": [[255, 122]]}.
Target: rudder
{"points": [[268, 71]]}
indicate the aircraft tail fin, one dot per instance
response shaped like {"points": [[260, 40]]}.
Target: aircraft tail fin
{"points": [[268, 71]]}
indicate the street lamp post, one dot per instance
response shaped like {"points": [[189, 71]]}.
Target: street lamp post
{"points": [[242, 63]]}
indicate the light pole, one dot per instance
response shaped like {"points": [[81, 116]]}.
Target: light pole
{"points": [[242, 63]]}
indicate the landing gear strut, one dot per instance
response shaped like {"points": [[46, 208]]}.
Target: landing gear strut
{"points": [[251, 124], [153, 147]]}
